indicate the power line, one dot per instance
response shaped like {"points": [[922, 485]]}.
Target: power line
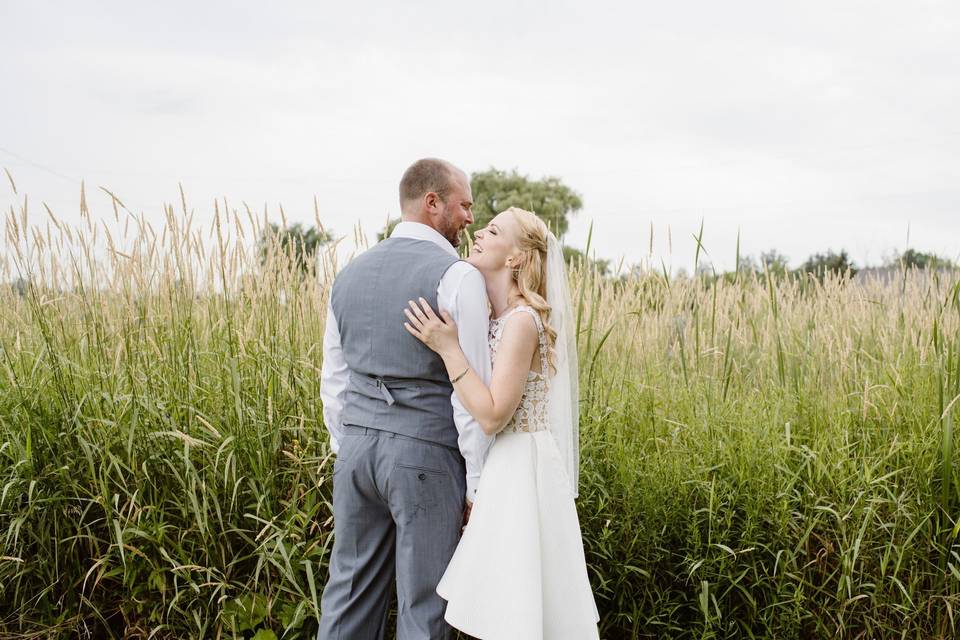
{"points": [[36, 165]]}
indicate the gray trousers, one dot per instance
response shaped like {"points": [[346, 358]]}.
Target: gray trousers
{"points": [[397, 511]]}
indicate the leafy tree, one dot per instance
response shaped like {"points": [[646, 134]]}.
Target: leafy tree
{"points": [[920, 260], [495, 190], [748, 264], [20, 286], [387, 230], [705, 269], [774, 262], [304, 242], [575, 257], [771, 262], [820, 264]]}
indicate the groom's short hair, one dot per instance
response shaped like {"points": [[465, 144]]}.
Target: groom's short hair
{"points": [[426, 175]]}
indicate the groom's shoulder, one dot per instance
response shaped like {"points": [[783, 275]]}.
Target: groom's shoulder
{"points": [[357, 267], [377, 252], [464, 269], [463, 276]]}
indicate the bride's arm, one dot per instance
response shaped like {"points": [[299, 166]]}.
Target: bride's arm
{"points": [[492, 406]]}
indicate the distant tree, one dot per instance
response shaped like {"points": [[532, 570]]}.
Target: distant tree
{"points": [[748, 264], [387, 230], [304, 242], [774, 263], [920, 260], [495, 190], [20, 286], [705, 270], [821, 264], [575, 257]]}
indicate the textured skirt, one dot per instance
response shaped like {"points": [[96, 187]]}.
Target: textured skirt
{"points": [[519, 571]]}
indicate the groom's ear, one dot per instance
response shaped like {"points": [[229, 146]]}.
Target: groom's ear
{"points": [[432, 201]]}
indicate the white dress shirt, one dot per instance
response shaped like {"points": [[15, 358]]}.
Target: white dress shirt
{"points": [[463, 294]]}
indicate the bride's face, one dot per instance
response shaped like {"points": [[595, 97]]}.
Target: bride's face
{"points": [[495, 244]]}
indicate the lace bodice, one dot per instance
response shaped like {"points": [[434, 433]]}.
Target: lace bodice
{"points": [[531, 415]]}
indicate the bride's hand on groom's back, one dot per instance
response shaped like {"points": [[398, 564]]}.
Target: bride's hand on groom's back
{"points": [[439, 333]]}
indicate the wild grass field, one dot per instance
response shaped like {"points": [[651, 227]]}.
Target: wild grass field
{"points": [[761, 457]]}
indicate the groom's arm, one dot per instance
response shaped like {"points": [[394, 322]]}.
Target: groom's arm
{"points": [[463, 293], [333, 380]]}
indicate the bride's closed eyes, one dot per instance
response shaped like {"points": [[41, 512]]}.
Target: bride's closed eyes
{"points": [[493, 245]]}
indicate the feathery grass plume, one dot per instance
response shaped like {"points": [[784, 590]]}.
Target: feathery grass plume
{"points": [[759, 459]]}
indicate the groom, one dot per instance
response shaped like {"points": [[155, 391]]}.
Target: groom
{"points": [[408, 453]]}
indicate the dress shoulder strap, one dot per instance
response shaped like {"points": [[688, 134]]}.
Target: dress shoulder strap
{"points": [[541, 334]]}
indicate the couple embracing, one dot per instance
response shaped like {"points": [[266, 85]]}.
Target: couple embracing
{"points": [[449, 388]]}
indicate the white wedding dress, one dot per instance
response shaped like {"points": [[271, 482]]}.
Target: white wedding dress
{"points": [[519, 571]]}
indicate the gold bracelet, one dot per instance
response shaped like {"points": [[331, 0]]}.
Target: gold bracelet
{"points": [[457, 379]]}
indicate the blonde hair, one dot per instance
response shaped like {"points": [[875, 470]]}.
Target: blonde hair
{"points": [[531, 274]]}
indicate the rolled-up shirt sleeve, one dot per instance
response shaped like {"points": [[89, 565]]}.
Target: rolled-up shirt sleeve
{"points": [[333, 380], [463, 293]]}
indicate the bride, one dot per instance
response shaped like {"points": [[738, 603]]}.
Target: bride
{"points": [[519, 570]]}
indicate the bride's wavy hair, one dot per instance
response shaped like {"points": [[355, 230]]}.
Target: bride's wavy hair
{"points": [[531, 270]]}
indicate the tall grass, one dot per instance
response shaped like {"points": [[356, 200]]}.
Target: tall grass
{"points": [[760, 457]]}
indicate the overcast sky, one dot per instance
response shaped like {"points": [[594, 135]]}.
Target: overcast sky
{"points": [[806, 125]]}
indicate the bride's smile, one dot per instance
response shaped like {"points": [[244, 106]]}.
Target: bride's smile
{"points": [[495, 245]]}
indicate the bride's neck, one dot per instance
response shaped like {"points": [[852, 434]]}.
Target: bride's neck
{"points": [[503, 293]]}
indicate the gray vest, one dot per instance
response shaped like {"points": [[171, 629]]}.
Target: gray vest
{"points": [[396, 383]]}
